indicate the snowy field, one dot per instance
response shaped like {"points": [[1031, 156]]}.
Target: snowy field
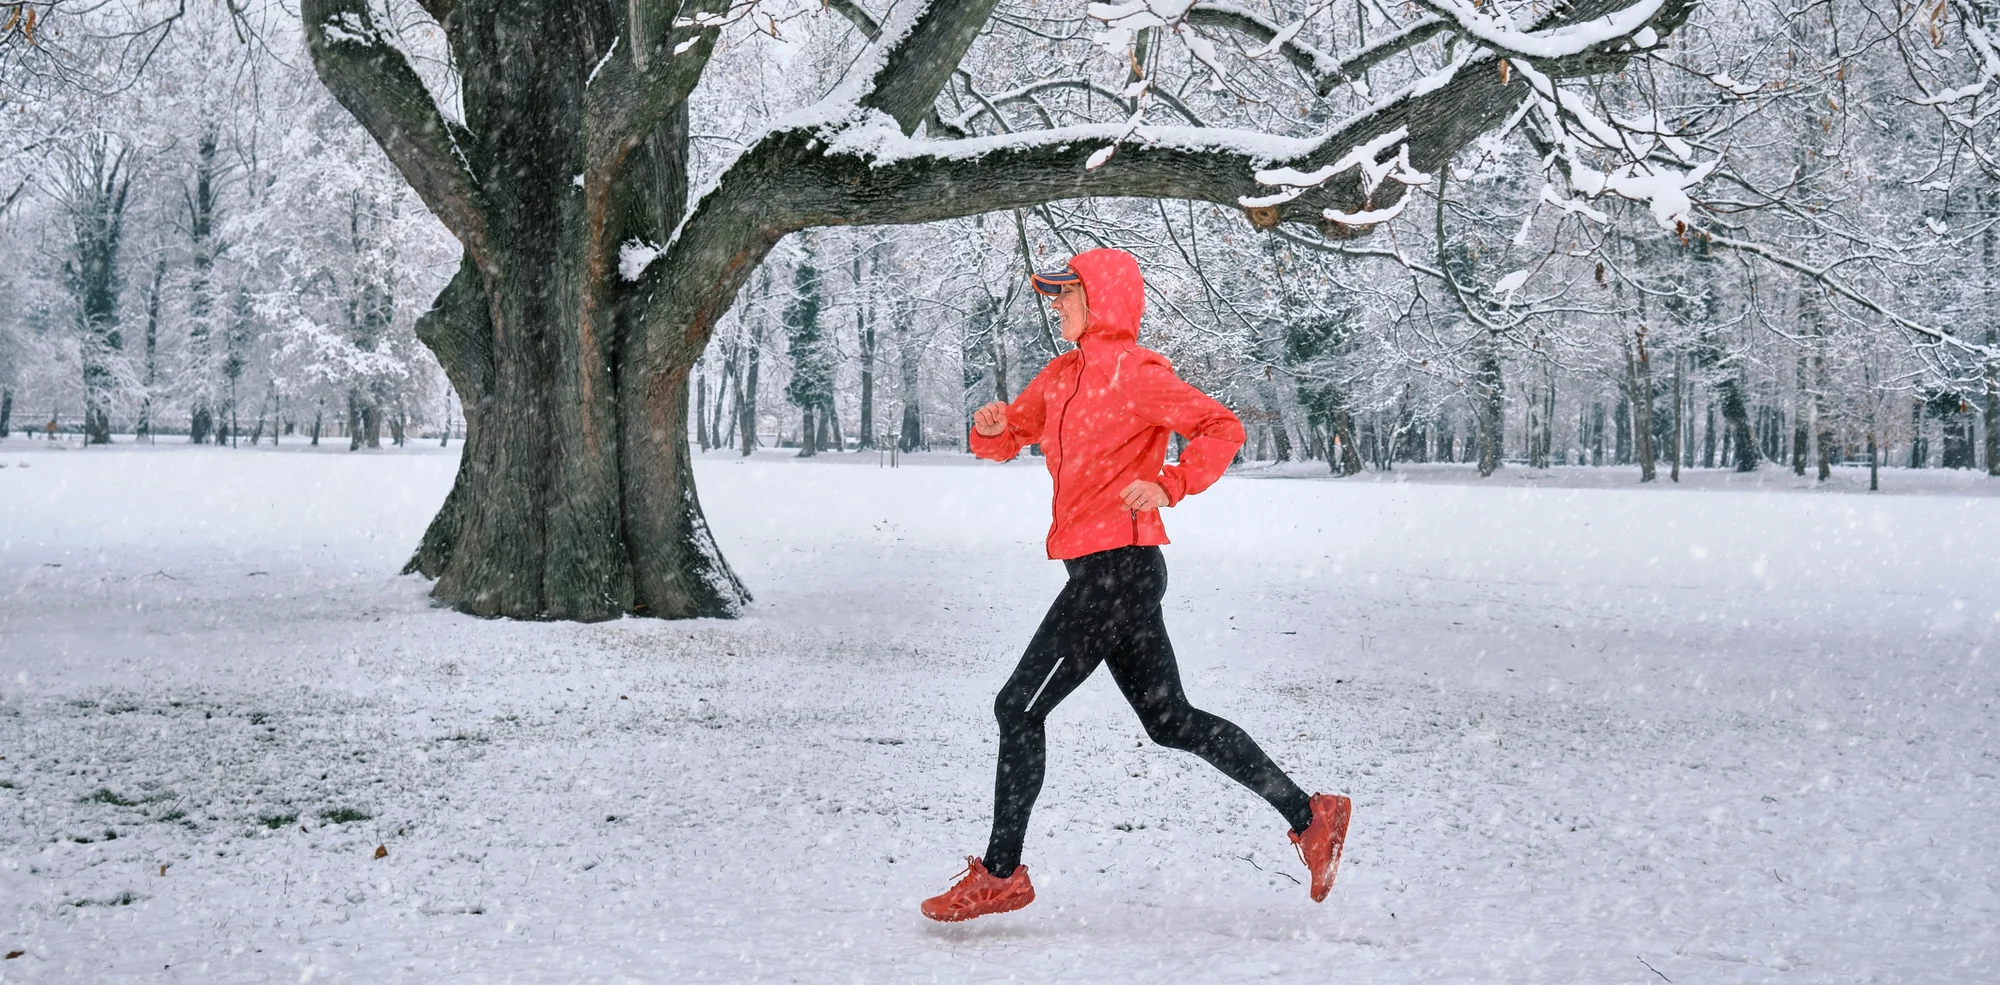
{"points": [[1734, 732]]}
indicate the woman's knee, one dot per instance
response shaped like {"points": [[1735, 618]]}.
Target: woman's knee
{"points": [[1175, 727], [1013, 713]]}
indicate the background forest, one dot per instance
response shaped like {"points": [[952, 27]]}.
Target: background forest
{"points": [[1769, 239]]}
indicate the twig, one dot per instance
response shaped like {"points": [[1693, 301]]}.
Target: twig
{"points": [[1254, 865], [1656, 971]]}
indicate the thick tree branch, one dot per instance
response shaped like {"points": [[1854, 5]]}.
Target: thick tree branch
{"points": [[919, 61], [372, 79], [441, 11], [859, 18], [648, 73]]}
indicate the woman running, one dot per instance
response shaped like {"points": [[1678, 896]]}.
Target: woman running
{"points": [[1101, 413]]}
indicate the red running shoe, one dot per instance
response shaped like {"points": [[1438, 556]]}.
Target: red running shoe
{"points": [[1319, 845], [980, 893]]}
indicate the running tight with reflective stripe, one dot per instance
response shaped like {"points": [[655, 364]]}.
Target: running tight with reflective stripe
{"points": [[1109, 613]]}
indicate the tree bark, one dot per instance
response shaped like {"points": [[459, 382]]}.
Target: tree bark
{"points": [[1822, 422], [1679, 434], [867, 439], [1874, 464], [911, 436], [1489, 405], [1992, 414], [1639, 380], [746, 395], [96, 195], [1736, 421], [701, 410], [1919, 447], [202, 218], [1800, 413]]}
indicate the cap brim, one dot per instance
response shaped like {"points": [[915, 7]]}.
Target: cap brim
{"points": [[1053, 283]]}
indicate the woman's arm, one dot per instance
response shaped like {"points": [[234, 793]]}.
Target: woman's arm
{"points": [[1165, 400], [1023, 424]]}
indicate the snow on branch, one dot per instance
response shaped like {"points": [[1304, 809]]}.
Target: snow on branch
{"points": [[1984, 52], [350, 27], [1277, 39], [373, 79], [879, 140], [1641, 178], [1502, 35], [1123, 21]]}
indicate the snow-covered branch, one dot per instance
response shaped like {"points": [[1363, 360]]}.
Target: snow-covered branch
{"points": [[370, 77]]}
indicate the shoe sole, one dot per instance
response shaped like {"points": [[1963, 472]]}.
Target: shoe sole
{"points": [[1343, 812], [1006, 907]]}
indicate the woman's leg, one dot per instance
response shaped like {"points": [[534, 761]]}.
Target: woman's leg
{"points": [[1150, 678], [1067, 647]]}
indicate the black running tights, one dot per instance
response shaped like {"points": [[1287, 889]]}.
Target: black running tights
{"points": [[1109, 613]]}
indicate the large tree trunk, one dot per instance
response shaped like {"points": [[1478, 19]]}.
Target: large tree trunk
{"points": [[1680, 434], [1990, 252], [1736, 420], [1822, 421], [1639, 378], [1345, 458], [1489, 403], [1992, 410], [96, 193], [614, 526], [866, 315], [199, 373], [911, 437]]}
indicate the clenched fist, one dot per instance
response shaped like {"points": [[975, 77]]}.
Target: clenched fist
{"points": [[991, 419]]}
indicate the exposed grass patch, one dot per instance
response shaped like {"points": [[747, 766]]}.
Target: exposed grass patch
{"points": [[106, 795], [344, 815], [276, 821], [126, 898]]}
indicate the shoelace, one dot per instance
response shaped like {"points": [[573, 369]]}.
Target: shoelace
{"points": [[960, 875]]}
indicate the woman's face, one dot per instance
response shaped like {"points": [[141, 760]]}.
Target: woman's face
{"points": [[1074, 311]]}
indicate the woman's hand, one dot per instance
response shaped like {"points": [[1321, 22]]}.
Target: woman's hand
{"points": [[1142, 495], [991, 419]]}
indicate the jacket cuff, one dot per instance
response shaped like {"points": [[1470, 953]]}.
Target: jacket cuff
{"points": [[1173, 483], [993, 449]]}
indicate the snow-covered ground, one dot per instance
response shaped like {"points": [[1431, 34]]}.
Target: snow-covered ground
{"points": [[1718, 734]]}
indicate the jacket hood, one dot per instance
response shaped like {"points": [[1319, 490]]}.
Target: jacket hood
{"points": [[1116, 293]]}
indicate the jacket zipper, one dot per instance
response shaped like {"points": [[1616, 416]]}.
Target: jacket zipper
{"points": [[1062, 417]]}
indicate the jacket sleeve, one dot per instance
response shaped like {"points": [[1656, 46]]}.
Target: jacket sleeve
{"points": [[1163, 399], [1025, 418]]}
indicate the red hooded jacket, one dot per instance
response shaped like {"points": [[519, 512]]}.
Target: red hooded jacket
{"points": [[1101, 413]]}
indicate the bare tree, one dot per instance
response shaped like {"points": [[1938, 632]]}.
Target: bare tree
{"points": [[97, 187]]}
